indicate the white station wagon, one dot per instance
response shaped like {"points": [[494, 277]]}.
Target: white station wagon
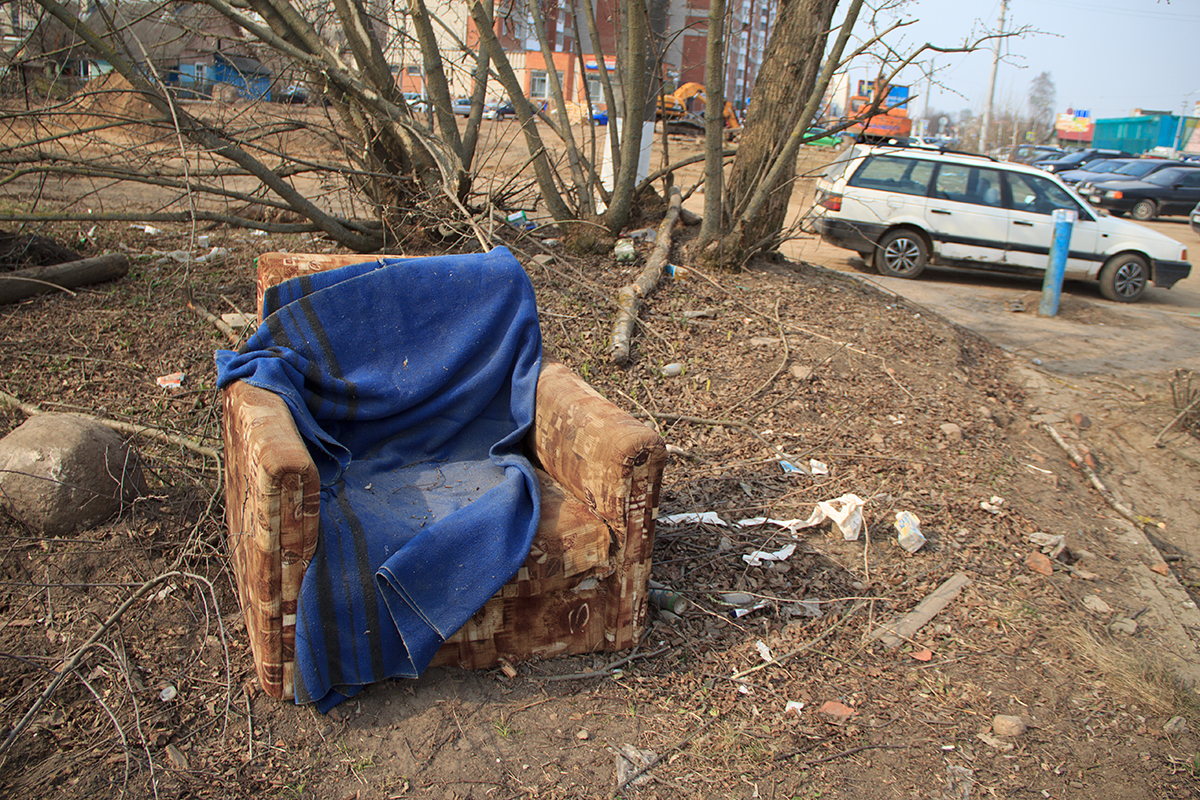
{"points": [[902, 208]]}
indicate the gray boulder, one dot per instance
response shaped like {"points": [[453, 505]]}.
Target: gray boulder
{"points": [[60, 473]]}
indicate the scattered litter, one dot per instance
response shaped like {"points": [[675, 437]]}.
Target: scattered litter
{"points": [[749, 606], [202, 240], [258, 233], [172, 381], [993, 506], [518, 219], [790, 467], [793, 707], [818, 467], [665, 599], [710, 313], [844, 512], [178, 256], [908, 531], [168, 694], [756, 558], [148, 229], [924, 654], [213, 255], [630, 761], [763, 650], [671, 370], [551, 242], [644, 234], [624, 250], [709, 517], [738, 598]]}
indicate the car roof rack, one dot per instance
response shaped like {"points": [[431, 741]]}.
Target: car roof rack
{"points": [[926, 148]]}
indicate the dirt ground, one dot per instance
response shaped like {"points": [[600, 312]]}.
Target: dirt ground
{"points": [[785, 360]]}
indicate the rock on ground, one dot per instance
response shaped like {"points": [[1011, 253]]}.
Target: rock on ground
{"points": [[60, 473]]}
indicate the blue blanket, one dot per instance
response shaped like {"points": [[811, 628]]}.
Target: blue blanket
{"points": [[412, 381]]}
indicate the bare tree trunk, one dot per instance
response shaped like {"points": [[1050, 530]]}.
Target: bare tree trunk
{"points": [[714, 124], [632, 69], [793, 59]]}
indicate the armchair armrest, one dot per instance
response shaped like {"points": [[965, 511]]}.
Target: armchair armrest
{"points": [[273, 507], [612, 462], [594, 449]]}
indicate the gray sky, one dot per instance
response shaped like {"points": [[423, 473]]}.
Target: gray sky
{"points": [[1109, 57]]}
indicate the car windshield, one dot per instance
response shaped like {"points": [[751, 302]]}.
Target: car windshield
{"points": [[1138, 169], [1103, 165], [1073, 158]]}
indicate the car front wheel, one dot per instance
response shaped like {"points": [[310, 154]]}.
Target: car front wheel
{"points": [[1145, 210], [901, 254], [1123, 279]]}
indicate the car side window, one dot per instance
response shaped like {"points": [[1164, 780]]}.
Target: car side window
{"points": [[1038, 195], [963, 184], [890, 174], [1191, 179]]}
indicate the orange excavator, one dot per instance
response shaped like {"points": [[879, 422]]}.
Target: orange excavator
{"points": [[890, 121], [684, 108]]}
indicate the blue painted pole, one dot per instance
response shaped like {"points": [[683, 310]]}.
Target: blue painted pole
{"points": [[1064, 221]]}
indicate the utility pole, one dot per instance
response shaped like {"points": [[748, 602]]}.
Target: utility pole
{"points": [[987, 109]]}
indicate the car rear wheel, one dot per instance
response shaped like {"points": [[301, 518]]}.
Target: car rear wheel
{"points": [[1145, 210], [1123, 279], [901, 254]]}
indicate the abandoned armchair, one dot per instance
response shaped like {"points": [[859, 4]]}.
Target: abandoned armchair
{"points": [[407, 484]]}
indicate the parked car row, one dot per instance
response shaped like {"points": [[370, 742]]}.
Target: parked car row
{"points": [[903, 208]]}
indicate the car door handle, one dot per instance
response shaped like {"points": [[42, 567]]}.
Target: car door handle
{"points": [[1026, 224], [938, 211]]}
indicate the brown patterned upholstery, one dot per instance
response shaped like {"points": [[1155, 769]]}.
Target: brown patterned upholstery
{"points": [[583, 586]]}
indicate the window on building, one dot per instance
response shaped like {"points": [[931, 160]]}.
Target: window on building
{"points": [[595, 89], [415, 70], [539, 84]]}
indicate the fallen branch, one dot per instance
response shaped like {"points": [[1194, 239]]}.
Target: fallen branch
{"points": [[220, 324], [1189, 409], [75, 659], [1122, 509], [629, 299], [892, 634], [29, 409], [22, 283]]}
